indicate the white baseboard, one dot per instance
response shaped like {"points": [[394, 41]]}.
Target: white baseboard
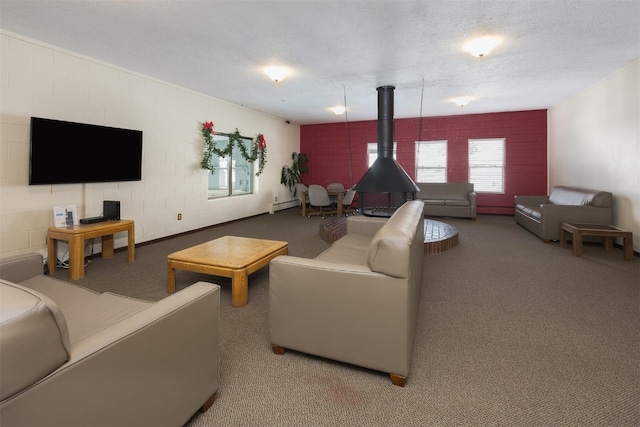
{"points": [[278, 206]]}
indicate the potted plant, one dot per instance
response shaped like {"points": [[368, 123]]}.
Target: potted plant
{"points": [[291, 175]]}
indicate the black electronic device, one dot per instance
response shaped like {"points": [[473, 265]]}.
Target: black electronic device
{"points": [[70, 153], [111, 209], [92, 220]]}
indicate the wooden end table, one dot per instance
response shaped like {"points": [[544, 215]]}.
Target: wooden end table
{"points": [[228, 256], [76, 236], [608, 232]]}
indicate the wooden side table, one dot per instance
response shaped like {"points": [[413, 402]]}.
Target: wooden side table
{"points": [[76, 236], [608, 232]]}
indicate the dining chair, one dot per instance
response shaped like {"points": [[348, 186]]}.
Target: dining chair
{"points": [[335, 186], [319, 201]]}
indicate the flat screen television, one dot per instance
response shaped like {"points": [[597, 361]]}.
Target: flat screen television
{"points": [[70, 153]]}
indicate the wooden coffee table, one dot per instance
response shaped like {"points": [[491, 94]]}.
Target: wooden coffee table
{"points": [[228, 256], [608, 232]]}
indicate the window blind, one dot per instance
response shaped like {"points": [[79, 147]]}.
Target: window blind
{"points": [[486, 164]]}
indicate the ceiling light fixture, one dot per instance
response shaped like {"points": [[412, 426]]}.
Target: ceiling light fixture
{"points": [[277, 73], [338, 110], [461, 101], [482, 46]]}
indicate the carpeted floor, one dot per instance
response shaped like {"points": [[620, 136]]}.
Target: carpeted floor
{"points": [[511, 332]]}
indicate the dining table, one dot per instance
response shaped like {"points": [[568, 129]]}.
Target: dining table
{"points": [[339, 194]]}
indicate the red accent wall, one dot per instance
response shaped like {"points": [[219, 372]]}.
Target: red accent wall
{"points": [[337, 151]]}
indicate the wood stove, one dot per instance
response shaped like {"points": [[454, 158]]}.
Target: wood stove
{"points": [[386, 185]]}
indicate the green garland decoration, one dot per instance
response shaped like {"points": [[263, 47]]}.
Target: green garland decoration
{"points": [[258, 149]]}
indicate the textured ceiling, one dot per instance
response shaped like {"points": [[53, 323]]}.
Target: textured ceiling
{"points": [[340, 51]]}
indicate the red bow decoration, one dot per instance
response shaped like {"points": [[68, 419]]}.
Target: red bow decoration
{"points": [[209, 126], [262, 144]]}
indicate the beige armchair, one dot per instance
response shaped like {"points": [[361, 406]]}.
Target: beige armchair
{"points": [[72, 357], [357, 302]]}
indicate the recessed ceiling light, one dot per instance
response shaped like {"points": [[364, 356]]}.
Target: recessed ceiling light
{"points": [[339, 109], [277, 73], [482, 46], [461, 101]]}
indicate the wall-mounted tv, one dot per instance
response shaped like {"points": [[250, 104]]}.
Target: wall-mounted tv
{"points": [[70, 153]]}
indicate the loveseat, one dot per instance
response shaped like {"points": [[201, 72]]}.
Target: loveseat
{"points": [[73, 357], [452, 199], [356, 302], [542, 215]]}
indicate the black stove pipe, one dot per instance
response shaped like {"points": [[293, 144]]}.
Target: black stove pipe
{"points": [[385, 121]]}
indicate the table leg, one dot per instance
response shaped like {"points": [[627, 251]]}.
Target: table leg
{"points": [[171, 278], [239, 288], [577, 243], [304, 204], [339, 201], [52, 255], [628, 247], [607, 243], [563, 242], [76, 257], [131, 247], [107, 246]]}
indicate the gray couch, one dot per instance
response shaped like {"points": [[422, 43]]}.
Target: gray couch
{"points": [[72, 357], [356, 302], [452, 199], [542, 215]]}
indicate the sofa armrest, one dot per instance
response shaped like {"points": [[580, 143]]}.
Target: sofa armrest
{"points": [[17, 268], [365, 224], [340, 311], [473, 196], [156, 367]]}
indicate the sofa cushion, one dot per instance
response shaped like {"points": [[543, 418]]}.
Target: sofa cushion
{"points": [[34, 339], [85, 311], [104, 310], [355, 241], [444, 191], [66, 295], [457, 202], [342, 254], [433, 202], [389, 250], [561, 195]]}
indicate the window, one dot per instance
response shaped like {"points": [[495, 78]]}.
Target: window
{"points": [[486, 164], [431, 161], [233, 174], [372, 152]]}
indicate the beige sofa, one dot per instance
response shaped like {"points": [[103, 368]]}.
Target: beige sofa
{"points": [[356, 302], [72, 357], [542, 215], [452, 199]]}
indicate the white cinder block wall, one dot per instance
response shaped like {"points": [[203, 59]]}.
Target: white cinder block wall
{"points": [[37, 79]]}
